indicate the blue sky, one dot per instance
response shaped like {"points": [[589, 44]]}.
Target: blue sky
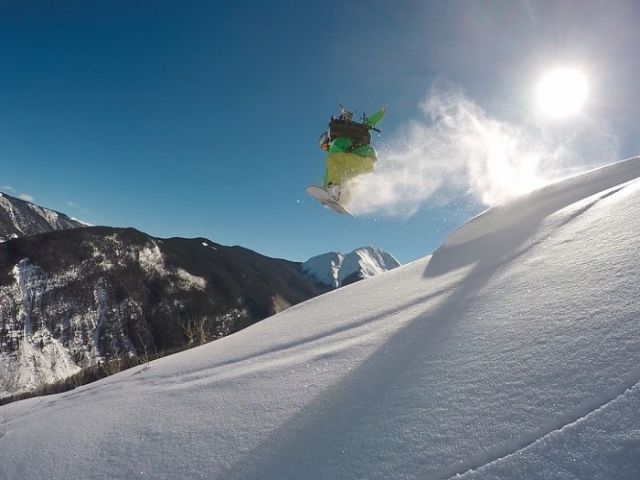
{"points": [[201, 118]]}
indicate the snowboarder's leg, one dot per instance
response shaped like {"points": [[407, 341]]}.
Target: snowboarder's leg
{"points": [[342, 167], [335, 175], [335, 170]]}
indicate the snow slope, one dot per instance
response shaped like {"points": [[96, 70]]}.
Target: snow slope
{"points": [[512, 352]]}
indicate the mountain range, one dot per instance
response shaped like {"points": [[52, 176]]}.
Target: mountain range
{"points": [[74, 296]]}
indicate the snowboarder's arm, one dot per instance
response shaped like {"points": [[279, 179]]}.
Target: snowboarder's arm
{"points": [[340, 144], [374, 119]]}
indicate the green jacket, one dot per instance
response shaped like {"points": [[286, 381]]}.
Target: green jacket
{"points": [[345, 162]]}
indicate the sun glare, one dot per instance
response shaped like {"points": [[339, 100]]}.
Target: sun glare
{"points": [[561, 92]]}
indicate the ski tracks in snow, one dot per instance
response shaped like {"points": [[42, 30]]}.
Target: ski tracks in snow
{"points": [[559, 426]]}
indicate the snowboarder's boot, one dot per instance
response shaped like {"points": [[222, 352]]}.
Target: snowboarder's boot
{"points": [[334, 190]]}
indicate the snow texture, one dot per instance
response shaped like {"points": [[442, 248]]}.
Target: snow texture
{"points": [[334, 268], [512, 352]]}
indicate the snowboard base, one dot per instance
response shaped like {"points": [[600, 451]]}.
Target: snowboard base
{"points": [[325, 198]]}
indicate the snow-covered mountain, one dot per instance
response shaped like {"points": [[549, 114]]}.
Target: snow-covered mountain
{"points": [[19, 218], [74, 298], [512, 352], [337, 269]]}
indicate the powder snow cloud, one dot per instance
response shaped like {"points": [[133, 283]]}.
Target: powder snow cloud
{"points": [[457, 149]]}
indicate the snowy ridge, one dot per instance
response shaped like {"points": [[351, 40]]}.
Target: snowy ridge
{"points": [[324, 268], [19, 218], [337, 269], [512, 352]]}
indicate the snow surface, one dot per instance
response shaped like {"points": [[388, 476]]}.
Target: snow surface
{"points": [[512, 352]]}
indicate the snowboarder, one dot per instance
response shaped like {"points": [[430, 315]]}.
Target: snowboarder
{"points": [[349, 152]]}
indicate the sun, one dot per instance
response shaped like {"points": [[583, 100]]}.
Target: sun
{"points": [[561, 92]]}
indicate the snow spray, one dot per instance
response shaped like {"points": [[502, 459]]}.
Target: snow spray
{"points": [[457, 149]]}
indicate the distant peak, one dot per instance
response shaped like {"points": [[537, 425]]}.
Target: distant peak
{"points": [[19, 217], [337, 269]]}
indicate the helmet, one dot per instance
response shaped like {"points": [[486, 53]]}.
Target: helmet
{"points": [[324, 141]]}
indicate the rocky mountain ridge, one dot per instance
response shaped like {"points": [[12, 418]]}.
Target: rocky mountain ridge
{"points": [[19, 218], [73, 297]]}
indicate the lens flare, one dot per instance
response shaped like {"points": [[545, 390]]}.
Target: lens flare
{"points": [[561, 92]]}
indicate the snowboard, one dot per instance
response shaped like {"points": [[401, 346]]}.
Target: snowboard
{"points": [[325, 198]]}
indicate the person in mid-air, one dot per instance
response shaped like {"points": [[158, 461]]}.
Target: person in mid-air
{"points": [[349, 152]]}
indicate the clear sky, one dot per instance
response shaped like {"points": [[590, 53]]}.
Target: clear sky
{"points": [[200, 118]]}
